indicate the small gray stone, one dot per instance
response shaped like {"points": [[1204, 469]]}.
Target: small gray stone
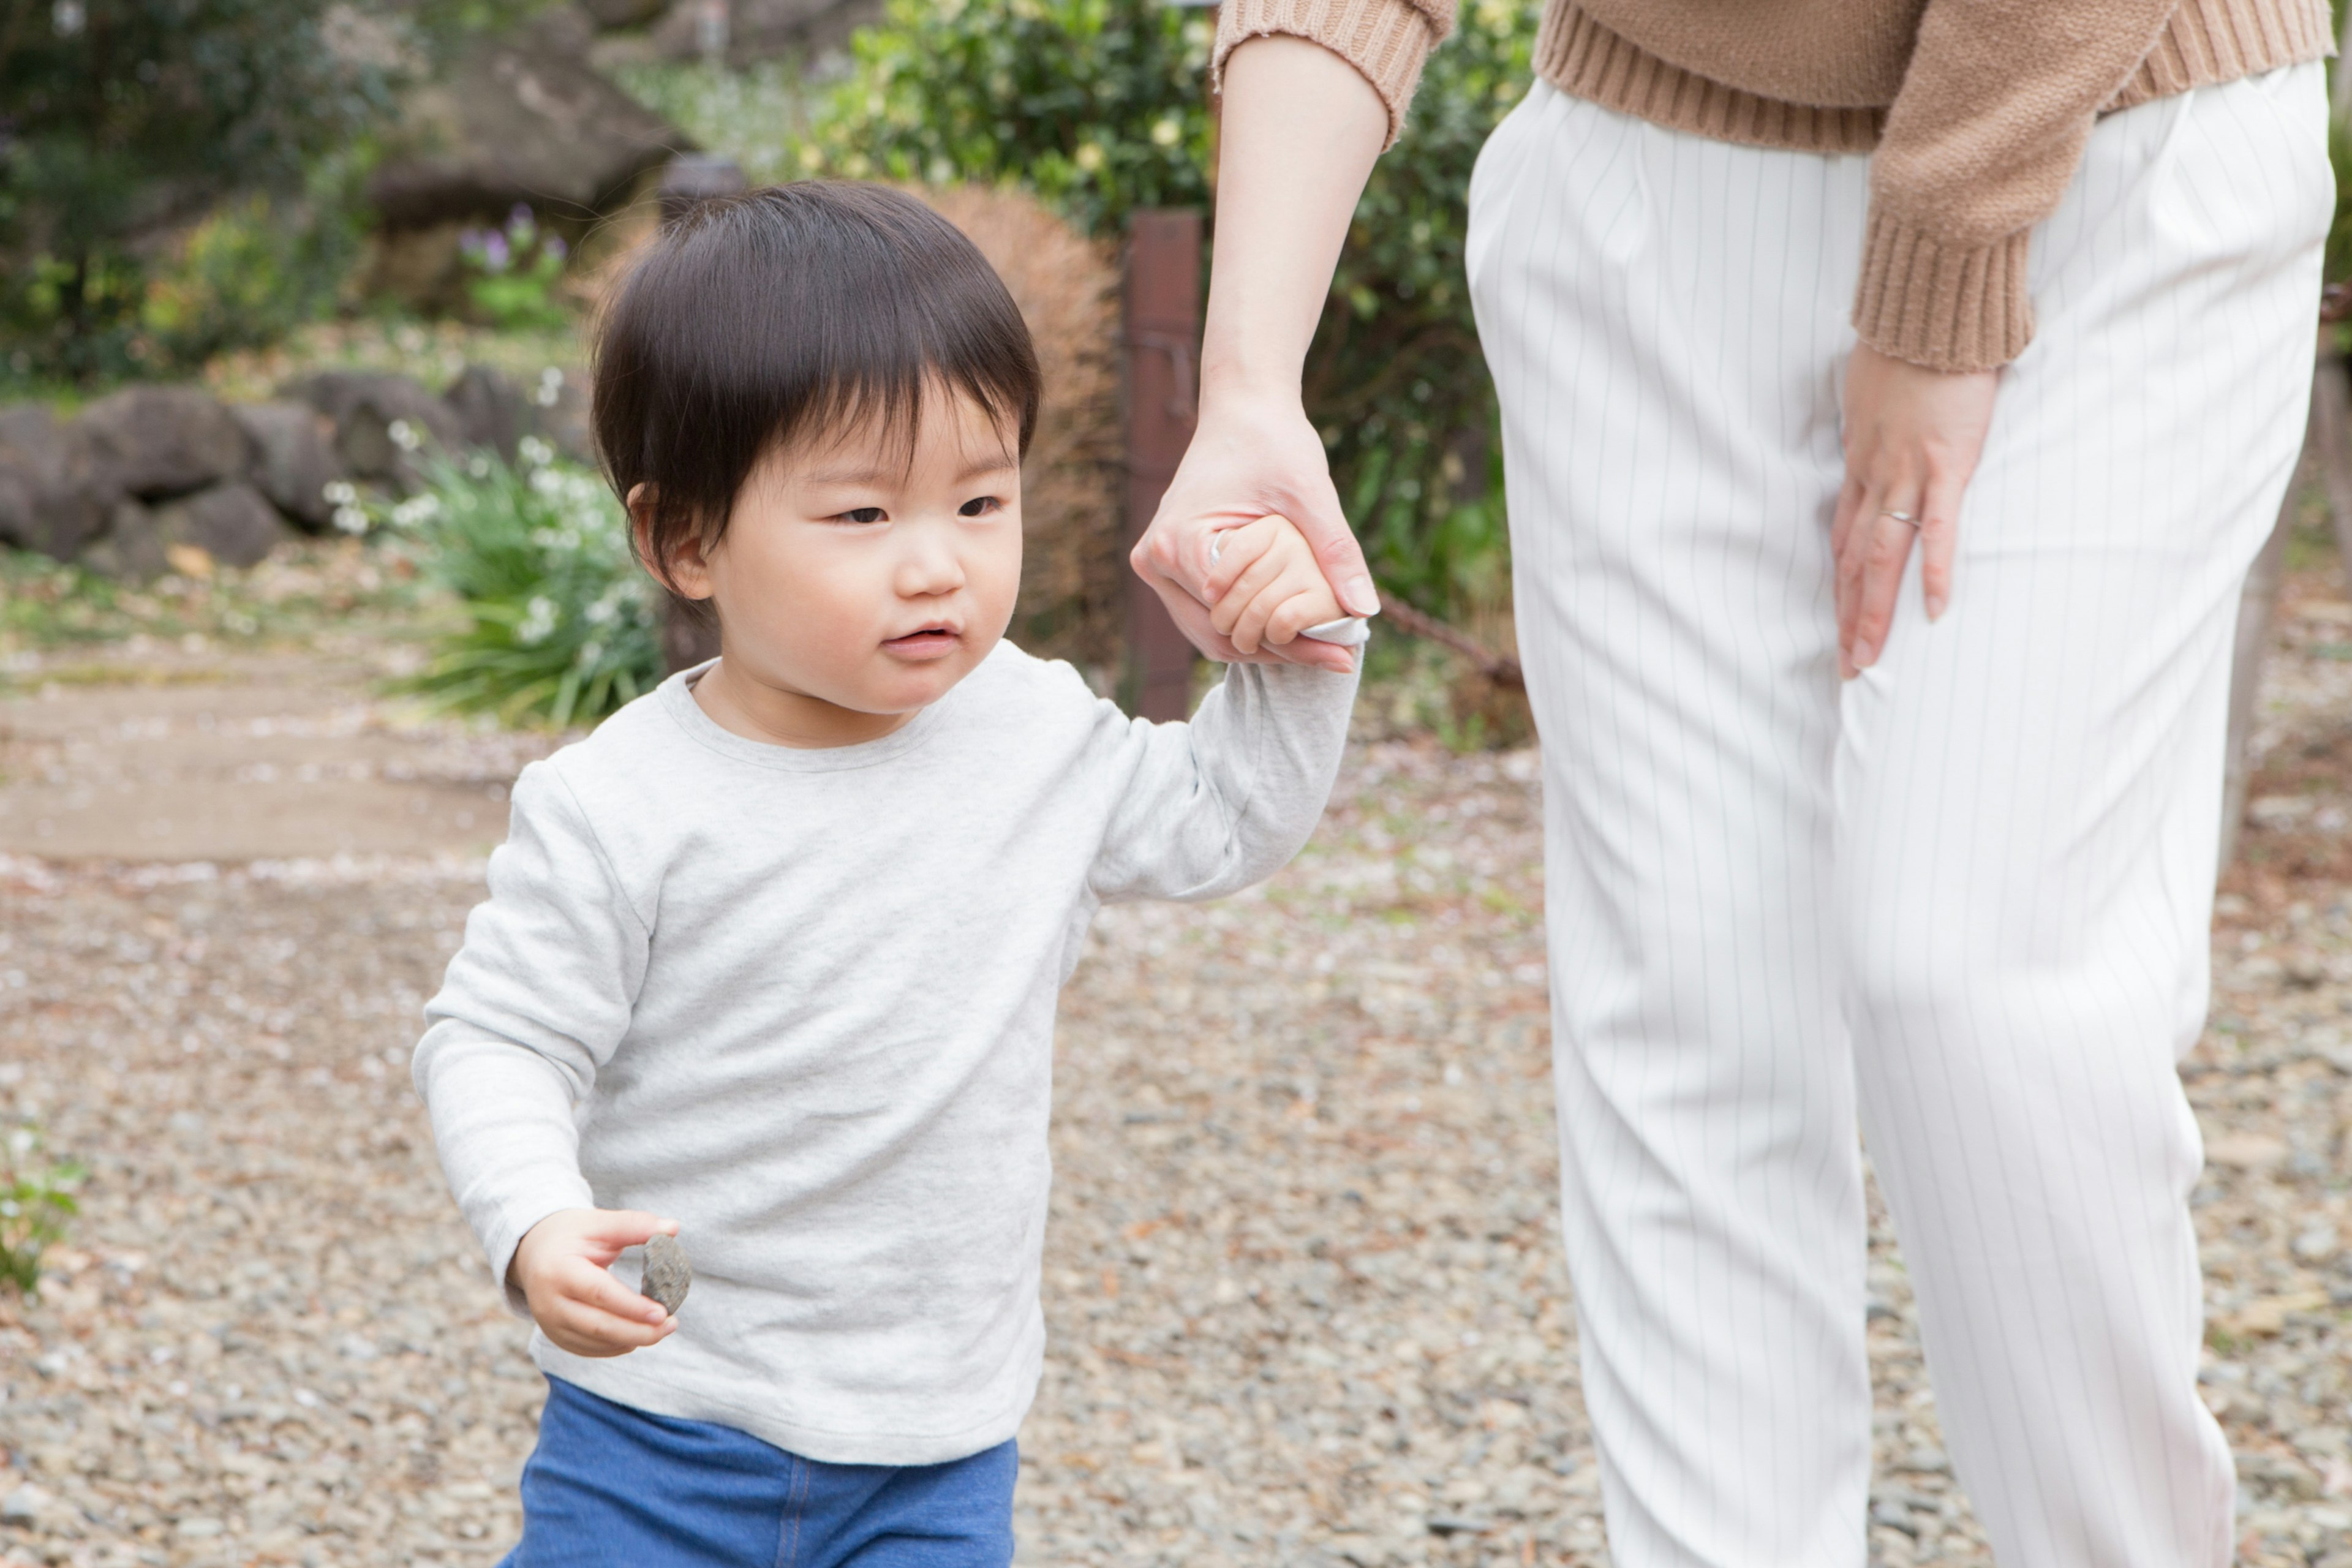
{"points": [[667, 1273]]}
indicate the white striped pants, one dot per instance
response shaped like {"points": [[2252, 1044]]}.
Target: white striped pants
{"points": [[1961, 902]]}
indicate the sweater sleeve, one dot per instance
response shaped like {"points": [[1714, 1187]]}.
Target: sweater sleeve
{"points": [[532, 1006], [1206, 808], [1979, 146], [1387, 40]]}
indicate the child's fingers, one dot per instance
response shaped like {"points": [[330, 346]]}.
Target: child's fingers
{"points": [[1230, 611], [587, 1330], [1249, 631], [1234, 550], [613, 1229], [1300, 611], [581, 1281]]}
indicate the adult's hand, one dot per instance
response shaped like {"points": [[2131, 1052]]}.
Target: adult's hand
{"points": [[1913, 436], [1301, 126]]}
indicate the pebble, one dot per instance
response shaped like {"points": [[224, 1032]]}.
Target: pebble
{"points": [[668, 1274]]}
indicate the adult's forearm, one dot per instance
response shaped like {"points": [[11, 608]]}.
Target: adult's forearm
{"points": [[1301, 129]]}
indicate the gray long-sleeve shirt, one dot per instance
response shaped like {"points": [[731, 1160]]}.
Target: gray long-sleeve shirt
{"points": [[803, 1002]]}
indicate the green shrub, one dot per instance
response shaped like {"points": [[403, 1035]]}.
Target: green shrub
{"points": [[35, 1201], [1099, 106], [562, 626]]}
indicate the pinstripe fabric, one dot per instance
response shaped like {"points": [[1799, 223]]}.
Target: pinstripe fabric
{"points": [[1961, 901]]}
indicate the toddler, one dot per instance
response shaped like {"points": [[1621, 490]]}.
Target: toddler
{"points": [[770, 962]]}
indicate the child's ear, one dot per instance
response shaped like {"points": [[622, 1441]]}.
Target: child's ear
{"points": [[682, 570]]}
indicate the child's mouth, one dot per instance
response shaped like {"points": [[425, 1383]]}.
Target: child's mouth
{"points": [[930, 642]]}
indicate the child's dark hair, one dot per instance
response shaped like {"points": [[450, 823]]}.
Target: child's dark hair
{"points": [[787, 312]]}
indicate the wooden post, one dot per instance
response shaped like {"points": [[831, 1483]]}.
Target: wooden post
{"points": [[1162, 361]]}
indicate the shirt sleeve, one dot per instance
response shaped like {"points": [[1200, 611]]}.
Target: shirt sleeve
{"points": [[531, 1007], [1208, 807], [1387, 40], [1979, 146]]}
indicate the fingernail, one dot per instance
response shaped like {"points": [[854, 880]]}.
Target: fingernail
{"points": [[1934, 606], [1864, 654], [1362, 599]]}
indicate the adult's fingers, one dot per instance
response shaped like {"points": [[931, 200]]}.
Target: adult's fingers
{"points": [[1884, 549], [1337, 552], [1939, 536]]}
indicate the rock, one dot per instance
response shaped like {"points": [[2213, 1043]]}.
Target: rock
{"points": [[167, 441], [491, 411], [364, 406], [2246, 1152], [293, 458], [25, 1505], [668, 1274], [57, 489], [518, 121], [234, 524], [132, 550]]}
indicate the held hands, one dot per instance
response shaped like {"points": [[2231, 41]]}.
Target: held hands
{"points": [[1265, 585], [1251, 456], [1913, 436], [560, 1268]]}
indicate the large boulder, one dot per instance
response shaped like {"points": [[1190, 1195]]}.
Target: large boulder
{"points": [[133, 549], [57, 486], [522, 118], [166, 440], [364, 406], [293, 458], [492, 412], [234, 524]]}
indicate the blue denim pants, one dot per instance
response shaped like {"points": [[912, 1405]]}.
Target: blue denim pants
{"points": [[612, 1487]]}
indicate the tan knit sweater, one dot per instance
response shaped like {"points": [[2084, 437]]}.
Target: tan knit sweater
{"points": [[1976, 110]]}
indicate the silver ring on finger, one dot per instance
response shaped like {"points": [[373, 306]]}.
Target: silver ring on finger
{"points": [[1901, 516]]}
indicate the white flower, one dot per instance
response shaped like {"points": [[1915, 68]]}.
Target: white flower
{"points": [[539, 619], [550, 387], [351, 519], [339, 492], [535, 452], [403, 435]]}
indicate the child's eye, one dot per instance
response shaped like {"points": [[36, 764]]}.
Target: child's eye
{"points": [[979, 506], [860, 514]]}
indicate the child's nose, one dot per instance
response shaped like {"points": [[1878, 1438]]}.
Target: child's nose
{"points": [[930, 565]]}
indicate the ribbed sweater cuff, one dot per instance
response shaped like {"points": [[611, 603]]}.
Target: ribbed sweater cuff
{"points": [[1945, 307], [1385, 39]]}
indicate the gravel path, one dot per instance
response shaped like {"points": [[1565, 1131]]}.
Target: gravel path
{"points": [[1303, 1286]]}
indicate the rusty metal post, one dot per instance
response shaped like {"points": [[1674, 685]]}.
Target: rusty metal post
{"points": [[1162, 362]]}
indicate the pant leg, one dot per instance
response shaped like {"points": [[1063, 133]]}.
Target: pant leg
{"points": [[608, 1486], [1665, 317], [956, 1515], [2029, 795]]}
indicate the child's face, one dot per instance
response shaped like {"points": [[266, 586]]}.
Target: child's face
{"points": [[858, 582]]}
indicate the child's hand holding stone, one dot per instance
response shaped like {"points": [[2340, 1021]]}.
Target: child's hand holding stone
{"points": [[561, 1267], [1269, 585]]}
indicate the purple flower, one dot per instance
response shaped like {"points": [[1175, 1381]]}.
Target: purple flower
{"points": [[496, 254], [555, 246]]}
